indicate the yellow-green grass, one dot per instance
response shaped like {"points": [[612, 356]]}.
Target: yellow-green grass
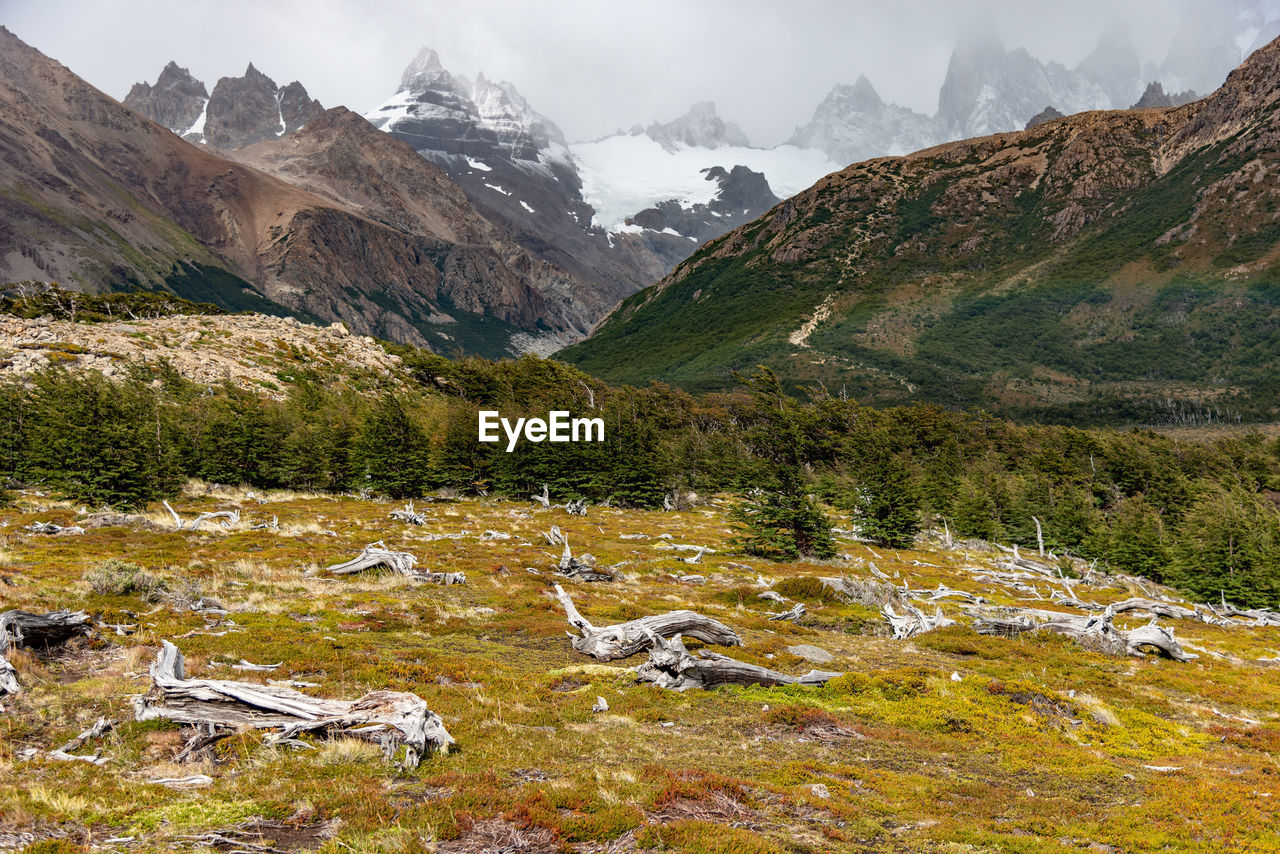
{"points": [[1039, 746]]}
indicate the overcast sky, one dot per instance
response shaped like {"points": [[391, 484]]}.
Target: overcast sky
{"points": [[590, 65]]}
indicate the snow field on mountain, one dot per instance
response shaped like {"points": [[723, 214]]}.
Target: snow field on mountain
{"points": [[623, 175]]}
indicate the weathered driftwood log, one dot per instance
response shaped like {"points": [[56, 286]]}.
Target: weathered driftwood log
{"points": [[403, 563], [376, 554], [8, 678], [1096, 630], [945, 592], [671, 666], [391, 718], [407, 514], [52, 529], [913, 621], [609, 643], [22, 628], [231, 517], [544, 499], [93, 733], [796, 612], [1260, 617]]}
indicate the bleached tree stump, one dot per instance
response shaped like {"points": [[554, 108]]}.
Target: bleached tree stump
{"points": [[24, 629], [402, 563], [390, 718], [913, 621], [408, 514], [609, 643]]}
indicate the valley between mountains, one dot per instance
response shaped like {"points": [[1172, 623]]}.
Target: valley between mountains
{"points": [[928, 496]]}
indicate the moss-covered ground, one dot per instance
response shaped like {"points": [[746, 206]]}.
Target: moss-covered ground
{"points": [[952, 741]]}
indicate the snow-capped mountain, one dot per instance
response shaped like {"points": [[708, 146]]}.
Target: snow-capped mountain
{"points": [[621, 210], [627, 173], [514, 167], [991, 89], [698, 128], [853, 124], [446, 116], [239, 112]]}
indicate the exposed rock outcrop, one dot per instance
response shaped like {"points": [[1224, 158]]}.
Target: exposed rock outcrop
{"points": [[177, 99]]}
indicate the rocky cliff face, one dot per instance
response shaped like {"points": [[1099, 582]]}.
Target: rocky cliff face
{"points": [[241, 110], [177, 100], [249, 109]]}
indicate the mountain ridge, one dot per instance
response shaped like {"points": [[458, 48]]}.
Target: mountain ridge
{"points": [[99, 197], [1088, 228]]}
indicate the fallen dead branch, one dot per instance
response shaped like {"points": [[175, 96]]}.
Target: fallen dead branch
{"points": [[52, 529], [64, 754], [391, 718], [1260, 617], [1095, 631], [231, 517], [671, 666], [609, 643], [796, 612], [93, 733], [402, 563]]}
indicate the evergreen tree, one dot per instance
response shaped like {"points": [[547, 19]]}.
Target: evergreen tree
{"points": [[1228, 545], [13, 404], [886, 499], [393, 451], [782, 522], [1134, 539], [97, 441]]}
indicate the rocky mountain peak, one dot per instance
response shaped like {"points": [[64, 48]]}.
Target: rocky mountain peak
{"points": [[1048, 114], [241, 110], [700, 127], [249, 109], [989, 89], [853, 123], [176, 100], [863, 92], [1155, 96], [425, 72]]}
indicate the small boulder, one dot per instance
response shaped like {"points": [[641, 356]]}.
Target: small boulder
{"points": [[808, 652]]}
